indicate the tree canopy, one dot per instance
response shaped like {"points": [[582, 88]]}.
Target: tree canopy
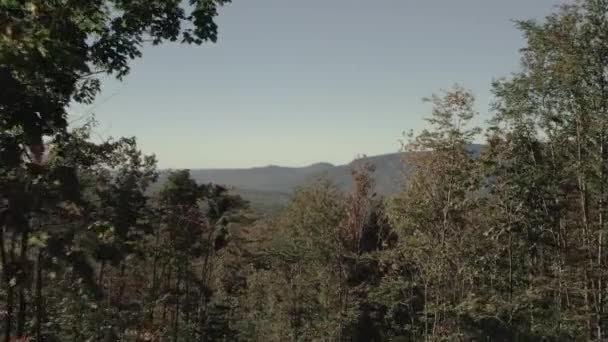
{"points": [[503, 244]]}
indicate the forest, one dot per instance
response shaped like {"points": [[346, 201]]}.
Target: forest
{"points": [[507, 244]]}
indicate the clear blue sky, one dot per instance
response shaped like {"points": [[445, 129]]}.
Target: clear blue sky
{"points": [[293, 82]]}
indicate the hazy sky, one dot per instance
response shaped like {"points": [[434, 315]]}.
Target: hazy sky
{"points": [[293, 82]]}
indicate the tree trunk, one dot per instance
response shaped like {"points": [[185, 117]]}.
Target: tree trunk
{"points": [[9, 274], [584, 206], [22, 315], [121, 289], [176, 314], [39, 297], [167, 288], [6, 279], [102, 269], [153, 291], [602, 205], [121, 293]]}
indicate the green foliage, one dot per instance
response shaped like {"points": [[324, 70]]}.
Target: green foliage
{"points": [[51, 51], [508, 245], [69, 208]]}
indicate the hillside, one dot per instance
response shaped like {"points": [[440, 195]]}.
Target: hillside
{"points": [[270, 187]]}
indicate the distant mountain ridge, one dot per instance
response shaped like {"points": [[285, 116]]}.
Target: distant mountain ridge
{"points": [[272, 186]]}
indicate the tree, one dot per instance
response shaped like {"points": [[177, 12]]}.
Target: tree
{"points": [[122, 219], [194, 225], [291, 292], [51, 52], [434, 217], [44, 219], [550, 139]]}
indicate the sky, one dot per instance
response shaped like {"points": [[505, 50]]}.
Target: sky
{"points": [[295, 82]]}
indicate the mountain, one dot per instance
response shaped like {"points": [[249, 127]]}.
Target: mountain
{"points": [[279, 179], [269, 178], [270, 187], [389, 174]]}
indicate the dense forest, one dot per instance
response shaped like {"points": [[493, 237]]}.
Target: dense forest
{"points": [[504, 245]]}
